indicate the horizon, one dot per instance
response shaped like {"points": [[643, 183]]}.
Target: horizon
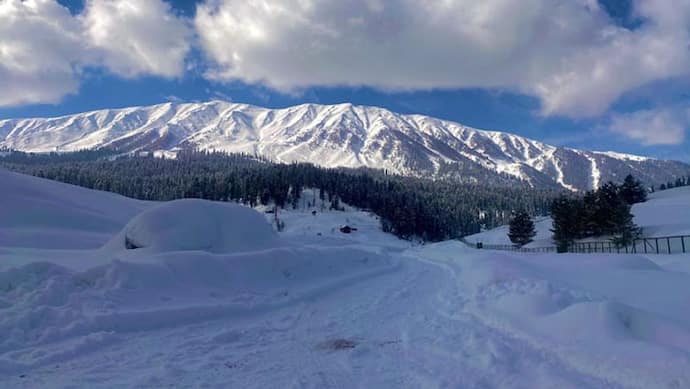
{"points": [[327, 105], [587, 87]]}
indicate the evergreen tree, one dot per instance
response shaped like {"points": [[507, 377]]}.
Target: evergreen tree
{"points": [[521, 229], [633, 191], [567, 221], [626, 231], [407, 206]]}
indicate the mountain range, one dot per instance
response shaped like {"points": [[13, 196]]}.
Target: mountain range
{"points": [[342, 135]]}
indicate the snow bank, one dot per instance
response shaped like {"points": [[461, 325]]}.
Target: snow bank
{"points": [[192, 224], [620, 317], [45, 306], [40, 213]]}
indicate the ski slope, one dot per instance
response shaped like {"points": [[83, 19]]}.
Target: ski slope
{"points": [[665, 213], [212, 296]]}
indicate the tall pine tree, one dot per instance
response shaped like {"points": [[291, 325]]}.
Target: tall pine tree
{"points": [[521, 228], [632, 190]]}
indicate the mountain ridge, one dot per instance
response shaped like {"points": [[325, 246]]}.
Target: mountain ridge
{"points": [[339, 135]]}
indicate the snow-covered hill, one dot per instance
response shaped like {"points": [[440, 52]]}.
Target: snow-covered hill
{"points": [[336, 135], [38, 213], [200, 294]]}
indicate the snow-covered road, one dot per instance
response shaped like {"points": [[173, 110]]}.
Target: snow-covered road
{"points": [[403, 328]]}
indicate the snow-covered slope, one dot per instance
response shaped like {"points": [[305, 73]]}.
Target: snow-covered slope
{"points": [[665, 213], [41, 213], [335, 135], [214, 298]]}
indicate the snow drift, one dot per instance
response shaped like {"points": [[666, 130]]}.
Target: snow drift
{"points": [[40, 213], [192, 224], [42, 303], [620, 317]]}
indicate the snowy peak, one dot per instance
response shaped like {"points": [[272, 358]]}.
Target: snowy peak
{"points": [[333, 136]]}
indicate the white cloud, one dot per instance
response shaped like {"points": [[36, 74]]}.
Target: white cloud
{"points": [[44, 48], [135, 37], [39, 52], [654, 126], [569, 53]]}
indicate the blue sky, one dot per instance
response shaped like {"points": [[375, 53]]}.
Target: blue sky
{"points": [[628, 95]]}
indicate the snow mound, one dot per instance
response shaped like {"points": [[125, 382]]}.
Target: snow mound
{"points": [[59, 309], [39, 213], [588, 310], [191, 224]]}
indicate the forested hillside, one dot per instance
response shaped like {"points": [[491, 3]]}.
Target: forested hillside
{"points": [[408, 207]]}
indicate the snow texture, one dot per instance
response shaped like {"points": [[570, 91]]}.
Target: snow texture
{"points": [[192, 224], [216, 298]]}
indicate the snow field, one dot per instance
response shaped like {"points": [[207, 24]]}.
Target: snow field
{"points": [[621, 318], [215, 298]]}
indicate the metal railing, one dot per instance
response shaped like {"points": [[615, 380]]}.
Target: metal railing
{"points": [[508, 247], [678, 244]]}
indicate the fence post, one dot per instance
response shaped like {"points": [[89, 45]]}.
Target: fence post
{"points": [[668, 244], [682, 243], [656, 242]]}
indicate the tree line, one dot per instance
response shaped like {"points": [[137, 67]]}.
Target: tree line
{"points": [[409, 207], [680, 181], [601, 212]]}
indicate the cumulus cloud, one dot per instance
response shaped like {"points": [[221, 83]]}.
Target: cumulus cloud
{"points": [[44, 48], [39, 52], [654, 126], [135, 37], [568, 53]]}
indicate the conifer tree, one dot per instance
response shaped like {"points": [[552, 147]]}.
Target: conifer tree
{"points": [[633, 191], [521, 229], [567, 221]]}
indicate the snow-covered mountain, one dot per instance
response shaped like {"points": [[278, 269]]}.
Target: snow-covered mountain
{"points": [[333, 136]]}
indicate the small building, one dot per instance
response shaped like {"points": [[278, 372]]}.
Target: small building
{"points": [[347, 229]]}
